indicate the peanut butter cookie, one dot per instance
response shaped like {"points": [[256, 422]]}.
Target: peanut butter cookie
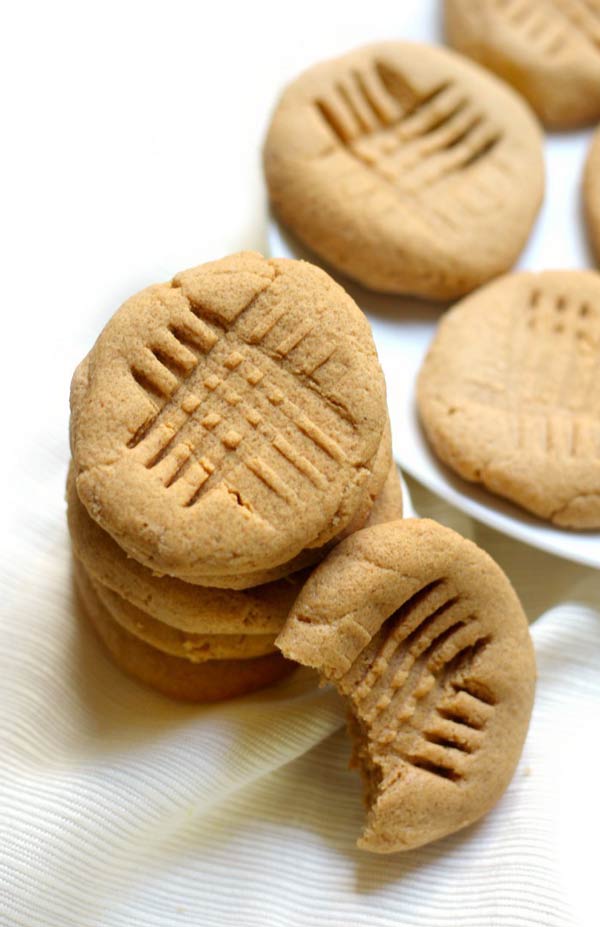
{"points": [[175, 677], [423, 634], [229, 419], [509, 393], [406, 167], [195, 647], [549, 50], [189, 608]]}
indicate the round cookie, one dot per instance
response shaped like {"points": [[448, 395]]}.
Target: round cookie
{"points": [[190, 608], [549, 50], [174, 677], [100, 552], [406, 167], [198, 648], [229, 419], [423, 634], [591, 193], [509, 393], [381, 464]]}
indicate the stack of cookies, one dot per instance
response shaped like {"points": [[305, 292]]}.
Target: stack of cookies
{"points": [[227, 429]]}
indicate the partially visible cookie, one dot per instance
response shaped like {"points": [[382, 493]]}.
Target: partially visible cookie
{"points": [[591, 193], [195, 647], [175, 677], [388, 506], [190, 608], [549, 50], [406, 167], [509, 393], [423, 634], [230, 418], [380, 486]]}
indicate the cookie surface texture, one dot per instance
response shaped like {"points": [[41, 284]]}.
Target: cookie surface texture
{"points": [[406, 167], [198, 648], [189, 608], [229, 419], [110, 565], [591, 193], [174, 677], [549, 50], [509, 393], [423, 634]]}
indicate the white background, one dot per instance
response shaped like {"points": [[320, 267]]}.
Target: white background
{"points": [[131, 149], [132, 136]]}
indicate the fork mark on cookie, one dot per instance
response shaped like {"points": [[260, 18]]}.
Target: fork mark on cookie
{"points": [[186, 394], [584, 15], [413, 684], [411, 141], [437, 720], [553, 25], [269, 477]]}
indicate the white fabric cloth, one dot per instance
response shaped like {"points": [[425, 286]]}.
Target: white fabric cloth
{"points": [[119, 807]]}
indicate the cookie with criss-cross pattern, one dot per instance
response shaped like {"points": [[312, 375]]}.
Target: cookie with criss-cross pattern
{"points": [[187, 608], [425, 637], [549, 50], [197, 647], [104, 555], [509, 393], [229, 419], [406, 167], [227, 625], [177, 677]]}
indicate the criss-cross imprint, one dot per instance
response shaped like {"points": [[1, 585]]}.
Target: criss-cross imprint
{"points": [[198, 378], [551, 25], [412, 687], [412, 141]]}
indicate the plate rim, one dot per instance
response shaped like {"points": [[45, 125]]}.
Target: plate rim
{"points": [[509, 525]]}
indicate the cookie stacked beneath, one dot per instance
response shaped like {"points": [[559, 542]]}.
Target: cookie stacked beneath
{"points": [[227, 429]]}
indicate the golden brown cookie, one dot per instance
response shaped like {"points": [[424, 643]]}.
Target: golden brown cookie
{"points": [[379, 465], [424, 635], [549, 50], [388, 505], [407, 167], [379, 486], [190, 608], [310, 555], [591, 193], [198, 648], [230, 418], [509, 393], [173, 676], [99, 550]]}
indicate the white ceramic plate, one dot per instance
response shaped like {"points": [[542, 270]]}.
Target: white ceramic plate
{"points": [[403, 329]]}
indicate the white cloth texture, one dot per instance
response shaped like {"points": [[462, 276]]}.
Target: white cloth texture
{"points": [[120, 807]]}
